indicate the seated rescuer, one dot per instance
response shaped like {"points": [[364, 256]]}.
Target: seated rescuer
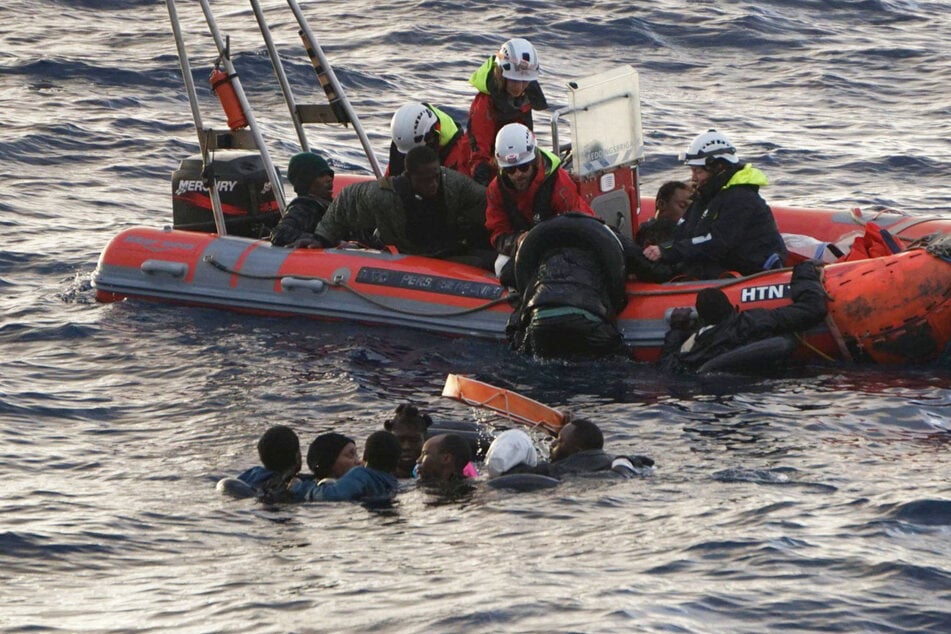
{"points": [[508, 93], [416, 124], [313, 182], [728, 226], [689, 344], [531, 187], [428, 210], [673, 198]]}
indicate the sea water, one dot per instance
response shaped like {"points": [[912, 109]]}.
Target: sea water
{"points": [[818, 500]]}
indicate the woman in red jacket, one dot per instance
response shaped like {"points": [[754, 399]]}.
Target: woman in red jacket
{"points": [[508, 92]]}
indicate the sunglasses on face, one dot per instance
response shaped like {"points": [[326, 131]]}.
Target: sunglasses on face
{"points": [[517, 168]]}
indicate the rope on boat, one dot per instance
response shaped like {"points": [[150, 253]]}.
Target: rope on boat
{"points": [[723, 284], [210, 259]]}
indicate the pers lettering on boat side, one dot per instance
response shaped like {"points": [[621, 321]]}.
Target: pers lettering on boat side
{"points": [[763, 293], [198, 186], [159, 246]]}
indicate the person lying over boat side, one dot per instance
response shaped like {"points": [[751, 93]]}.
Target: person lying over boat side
{"points": [[570, 276], [670, 204], [416, 124], [313, 182], [279, 452], [371, 483], [719, 328], [428, 210], [728, 226], [508, 92]]}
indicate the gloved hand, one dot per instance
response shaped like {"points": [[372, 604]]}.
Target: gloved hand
{"points": [[482, 174], [682, 318], [806, 270]]}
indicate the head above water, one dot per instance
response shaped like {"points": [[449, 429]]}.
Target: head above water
{"points": [[331, 455], [409, 425], [443, 458], [279, 448], [382, 451], [579, 434]]}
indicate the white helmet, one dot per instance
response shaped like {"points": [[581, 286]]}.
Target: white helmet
{"points": [[518, 60], [410, 125], [514, 145], [709, 144]]}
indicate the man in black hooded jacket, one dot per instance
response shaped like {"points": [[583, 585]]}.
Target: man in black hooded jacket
{"points": [[689, 344]]}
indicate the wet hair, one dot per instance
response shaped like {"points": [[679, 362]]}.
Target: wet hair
{"points": [[279, 448], [382, 451], [713, 306], [458, 447], [587, 434], [323, 453], [409, 414], [666, 191], [419, 156]]}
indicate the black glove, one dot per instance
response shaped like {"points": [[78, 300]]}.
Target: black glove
{"points": [[482, 174], [806, 271], [682, 318]]}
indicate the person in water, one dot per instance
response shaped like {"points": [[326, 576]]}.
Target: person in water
{"points": [[428, 210], [579, 448], [728, 226], [409, 425], [443, 459], [416, 124], [720, 328], [673, 198], [531, 187], [375, 481], [313, 182], [508, 93], [511, 452], [331, 455], [279, 452]]}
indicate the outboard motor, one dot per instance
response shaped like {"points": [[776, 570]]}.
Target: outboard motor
{"points": [[247, 199]]}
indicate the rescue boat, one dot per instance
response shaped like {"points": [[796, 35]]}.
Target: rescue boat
{"points": [[894, 309]]}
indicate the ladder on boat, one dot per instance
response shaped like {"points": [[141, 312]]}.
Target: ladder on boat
{"points": [[244, 132]]}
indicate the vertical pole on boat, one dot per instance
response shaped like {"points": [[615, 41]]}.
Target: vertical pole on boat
{"points": [[225, 57], [281, 75], [338, 89], [196, 115]]}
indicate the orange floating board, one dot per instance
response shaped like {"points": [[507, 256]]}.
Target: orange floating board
{"points": [[513, 406]]}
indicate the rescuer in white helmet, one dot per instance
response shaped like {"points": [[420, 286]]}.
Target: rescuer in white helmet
{"points": [[416, 124], [728, 226], [508, 92]]}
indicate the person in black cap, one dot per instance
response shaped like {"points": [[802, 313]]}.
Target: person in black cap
{"points": [[719, 328], [331, 455], [313, 182]]}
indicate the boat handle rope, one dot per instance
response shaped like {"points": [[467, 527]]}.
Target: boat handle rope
{"points": [[210, 259]]}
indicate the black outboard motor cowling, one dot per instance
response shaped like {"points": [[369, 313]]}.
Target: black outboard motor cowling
{"points": [[247, 199]]}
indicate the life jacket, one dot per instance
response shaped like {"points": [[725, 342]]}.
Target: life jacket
{"points": [[541, 205]]}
